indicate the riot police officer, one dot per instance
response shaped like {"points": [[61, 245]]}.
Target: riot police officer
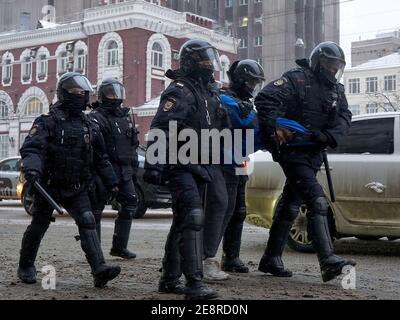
{"points": [[311, 95], [62, 151], [246, 80], [120, 135], [193, 103]]}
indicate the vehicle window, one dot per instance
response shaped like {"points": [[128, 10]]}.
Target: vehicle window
{"points": [[374, 136], [9, 165]]}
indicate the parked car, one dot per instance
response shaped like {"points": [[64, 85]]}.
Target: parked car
{"points": [[149, 196], [9, 177], [366, 175]]}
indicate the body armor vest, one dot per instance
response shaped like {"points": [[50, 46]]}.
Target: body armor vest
{"points": [[319, 104], [121, 138], [70, 155]]}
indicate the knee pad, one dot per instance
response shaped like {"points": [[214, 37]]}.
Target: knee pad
{"points": [[86, 220], [194, 220], [41, 220], [127, 212], [126, 199], [320, 206]]}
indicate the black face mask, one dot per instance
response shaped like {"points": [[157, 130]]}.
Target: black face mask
{"points": [[76, 104], [111, 104], [205, 74]]}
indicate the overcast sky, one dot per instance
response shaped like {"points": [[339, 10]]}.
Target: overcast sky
{"points": [[362, 19]]}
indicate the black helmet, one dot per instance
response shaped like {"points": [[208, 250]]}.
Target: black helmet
{"points": [[197, 55], [111, 90], [247, 75], [73, 83], [328, 59]]}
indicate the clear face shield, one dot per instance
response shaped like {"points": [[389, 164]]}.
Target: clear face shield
{"points": [[255, 86], [209, 59], [332, 68], [114, 91], [78, 85]]}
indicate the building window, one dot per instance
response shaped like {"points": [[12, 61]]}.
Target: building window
{"points": [[80, 63], [26, 69], [3, 110], [34, 107], [62, 63], [258, 41], [7, 71], [22, 137], [390, 83], [244, 2], [244, 21], [42, 67], [4, 142], [112, 54], [354, 86], [157, 56], [243, 43], [355, 110], [228, 3], [372, 85], [372, 108]]}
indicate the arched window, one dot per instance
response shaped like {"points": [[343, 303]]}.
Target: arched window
{"points": [[26, 66], [3, 110], [157, 56], [33, 107], [42, 64], [7, 72], [112, 54]]}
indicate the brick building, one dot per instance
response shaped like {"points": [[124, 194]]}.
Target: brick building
{"points": [[135, 41]]}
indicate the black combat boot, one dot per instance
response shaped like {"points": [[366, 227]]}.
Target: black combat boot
{"points": [[121, 238], [232, 242], [29, 249], [192, 254], [271, 262], [171, 270], [331, 265], [102, 273], [233, 264], [197, 290]]}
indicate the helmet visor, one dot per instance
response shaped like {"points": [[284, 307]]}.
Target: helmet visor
{"points": [[255, 86], [332, 68], [209, 59], [113, 91], [77, 85]]}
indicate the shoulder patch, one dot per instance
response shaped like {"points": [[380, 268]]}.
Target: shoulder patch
{"points": [[33, 130], [169, 104], [280, 82]]}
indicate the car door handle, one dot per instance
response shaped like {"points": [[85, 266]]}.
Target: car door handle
{"points": [[376, 186]]}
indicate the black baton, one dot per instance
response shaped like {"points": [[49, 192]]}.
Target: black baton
{"points": [[328, 176], [48, 198]]}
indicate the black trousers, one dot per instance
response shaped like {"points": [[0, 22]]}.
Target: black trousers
{"points": [[184, 247], [77, 205], [236, 213], [216, 211]]}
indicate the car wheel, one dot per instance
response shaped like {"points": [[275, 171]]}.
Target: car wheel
{"points": [[368, 238], [27, 202], [141, 207], [299, 239]]}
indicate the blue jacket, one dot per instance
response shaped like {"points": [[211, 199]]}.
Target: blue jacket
{"points": [[237, 122]]}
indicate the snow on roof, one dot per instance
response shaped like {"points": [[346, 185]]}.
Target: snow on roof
{"points": [[390, 61], [43, 24]]}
